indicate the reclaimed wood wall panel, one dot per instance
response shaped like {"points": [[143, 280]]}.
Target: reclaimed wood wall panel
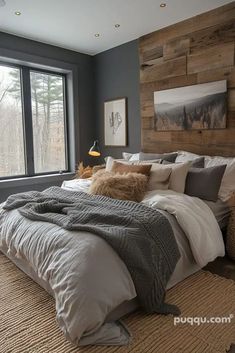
{"points": [[198, 50], [158, 71], [209, 19], [215, 57]]}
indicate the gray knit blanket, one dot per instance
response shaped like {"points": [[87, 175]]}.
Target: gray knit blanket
{"points": [[142, 236]]}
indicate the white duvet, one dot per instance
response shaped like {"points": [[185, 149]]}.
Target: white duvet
{"points": [[86, 276], [195, 218]]}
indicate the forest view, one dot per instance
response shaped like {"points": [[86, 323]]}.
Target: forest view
{"points": [[47, 102]]}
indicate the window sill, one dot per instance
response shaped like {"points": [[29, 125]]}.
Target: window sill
{"points": [[41, 179]]}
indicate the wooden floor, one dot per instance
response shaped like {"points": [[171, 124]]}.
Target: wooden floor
{"points": [[225, 268]]}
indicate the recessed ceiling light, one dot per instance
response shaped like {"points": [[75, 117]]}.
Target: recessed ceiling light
{"points": [[17, 13], [97, 35], [163, 4], [117, 25]]}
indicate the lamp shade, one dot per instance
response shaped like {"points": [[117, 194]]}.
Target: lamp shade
{"points": [[95, 150]]}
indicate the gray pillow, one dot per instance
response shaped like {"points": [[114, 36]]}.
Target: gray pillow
{"points": [[170, 157], [196, 163], [204, 182]]}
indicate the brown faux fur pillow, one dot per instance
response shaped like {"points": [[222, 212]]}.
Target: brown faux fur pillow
{"points": [[130, 186], [131, 168]]}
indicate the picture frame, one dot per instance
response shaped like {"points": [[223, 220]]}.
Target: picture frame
{"points": [[115, 122], [196, 107]]}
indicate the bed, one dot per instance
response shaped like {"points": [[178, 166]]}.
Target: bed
{"points": [[91, 285]]}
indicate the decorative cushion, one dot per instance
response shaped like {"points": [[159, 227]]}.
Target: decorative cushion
{"points": [[158, 161], [130, 156], [204, 182], [159, 177], [131, 168], [178, 175], [228, 182], [109, 162], [196, 163], [130, 186], [170, 157], [184, 156]]}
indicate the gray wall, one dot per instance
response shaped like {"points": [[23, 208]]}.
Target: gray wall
{"points": [[117, 75], [22, 187], [83, 99]]}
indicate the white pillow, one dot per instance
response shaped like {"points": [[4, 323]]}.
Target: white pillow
{"points": [[130, 156], [159, 175], [109, 162], [178, 176], [179, 172], [184, 156], [228, 181]]}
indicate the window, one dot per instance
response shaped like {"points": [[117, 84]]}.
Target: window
{"points": [[12, 161], [47, 95], [33, 134]]}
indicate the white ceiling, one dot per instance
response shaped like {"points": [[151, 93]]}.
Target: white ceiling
{"points": [[72, 24]]}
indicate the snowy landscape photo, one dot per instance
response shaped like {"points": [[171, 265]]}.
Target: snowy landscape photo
{"points": [[194, 107]]}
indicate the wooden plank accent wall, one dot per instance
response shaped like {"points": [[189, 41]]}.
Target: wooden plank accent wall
{"points": [[198, 50]]}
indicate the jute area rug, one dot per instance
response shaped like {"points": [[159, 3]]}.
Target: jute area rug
{"points": [[27, 318]]}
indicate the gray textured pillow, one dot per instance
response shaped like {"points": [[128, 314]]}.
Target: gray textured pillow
{"points": [[196, 163], [170, 157], [204, 182]]}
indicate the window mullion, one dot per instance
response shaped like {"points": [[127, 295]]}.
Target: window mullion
{"points": [[28, 121]]}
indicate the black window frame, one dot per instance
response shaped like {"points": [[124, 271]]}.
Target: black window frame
{"points": [[27, 120]]}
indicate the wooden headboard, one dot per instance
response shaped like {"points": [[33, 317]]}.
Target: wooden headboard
{"points": [[197, 50]]}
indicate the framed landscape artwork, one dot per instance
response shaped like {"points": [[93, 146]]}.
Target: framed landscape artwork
{"points": [[194, 107], [115, 122]]}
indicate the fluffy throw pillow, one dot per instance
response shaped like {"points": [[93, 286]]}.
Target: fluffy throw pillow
{"points": [[170, 157], [204, 182], [123, 168], [130, 186]]}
